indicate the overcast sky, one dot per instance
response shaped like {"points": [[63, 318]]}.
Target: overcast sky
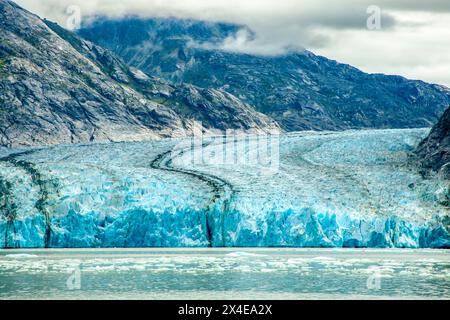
{"points": [[414, 39]]}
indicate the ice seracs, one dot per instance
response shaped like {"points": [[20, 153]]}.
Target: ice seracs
{"points": [[348, 189]]}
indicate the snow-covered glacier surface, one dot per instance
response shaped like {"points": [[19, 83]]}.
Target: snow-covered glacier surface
{"points": [[348, 189]]}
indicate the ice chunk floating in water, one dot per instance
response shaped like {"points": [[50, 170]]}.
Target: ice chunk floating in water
{"points": [[348, 189], [223, 273]]}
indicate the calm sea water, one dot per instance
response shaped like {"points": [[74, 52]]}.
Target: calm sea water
{"points": [[224, 274]]}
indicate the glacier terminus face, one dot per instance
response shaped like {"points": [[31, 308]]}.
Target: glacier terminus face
{"points": [[308, 189]]}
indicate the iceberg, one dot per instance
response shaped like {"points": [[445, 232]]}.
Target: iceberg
{"points": [[331, 189]]}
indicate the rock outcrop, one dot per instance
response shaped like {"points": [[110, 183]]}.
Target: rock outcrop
{"points": [[434, 151]]}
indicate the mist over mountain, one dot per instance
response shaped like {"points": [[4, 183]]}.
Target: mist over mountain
{"points": [[299, 90]]}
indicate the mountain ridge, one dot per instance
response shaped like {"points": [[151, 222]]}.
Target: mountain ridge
{"points": [[58, 87], [301, 91]]}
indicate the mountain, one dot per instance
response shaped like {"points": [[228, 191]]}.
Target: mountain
{"points": [[434, 151], [299, 90], [58, 88]]}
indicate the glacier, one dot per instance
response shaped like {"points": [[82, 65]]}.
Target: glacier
{"points": [[327, 189]]}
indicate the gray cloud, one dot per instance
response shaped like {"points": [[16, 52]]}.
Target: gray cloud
{"points": [[349, 14], [415, 29], [416, 5]]}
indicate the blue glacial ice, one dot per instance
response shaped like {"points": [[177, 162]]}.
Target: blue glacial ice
{"points": [[348, 189]]}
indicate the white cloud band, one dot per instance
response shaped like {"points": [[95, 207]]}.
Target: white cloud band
{"points": [[413, 40]]}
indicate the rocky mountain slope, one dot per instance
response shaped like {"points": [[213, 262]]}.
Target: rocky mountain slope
{"points": [[299, 90], [58, 88], [434, 152]]}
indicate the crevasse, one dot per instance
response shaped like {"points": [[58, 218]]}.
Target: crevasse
{"points": [[350, 189]]}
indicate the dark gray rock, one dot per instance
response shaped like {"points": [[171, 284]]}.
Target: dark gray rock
{"points": [[299, 90], [434, 151], [58, 88]]}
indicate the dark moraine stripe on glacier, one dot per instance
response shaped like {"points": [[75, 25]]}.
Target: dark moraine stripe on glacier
{"points": [[319, 227], [9, 209], [213, 224], [222, 194]]}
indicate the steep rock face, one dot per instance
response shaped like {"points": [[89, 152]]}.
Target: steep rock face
{"points": [[434, 151], [299, 90], [58, 88]]}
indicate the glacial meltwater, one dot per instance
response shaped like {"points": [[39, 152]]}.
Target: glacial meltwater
{"points": [[225, 274]]}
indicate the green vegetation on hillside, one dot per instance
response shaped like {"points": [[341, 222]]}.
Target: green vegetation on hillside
{"points": [[2, 68]]}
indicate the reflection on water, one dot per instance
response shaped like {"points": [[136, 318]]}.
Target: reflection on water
{"points": [[224, 274]]}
